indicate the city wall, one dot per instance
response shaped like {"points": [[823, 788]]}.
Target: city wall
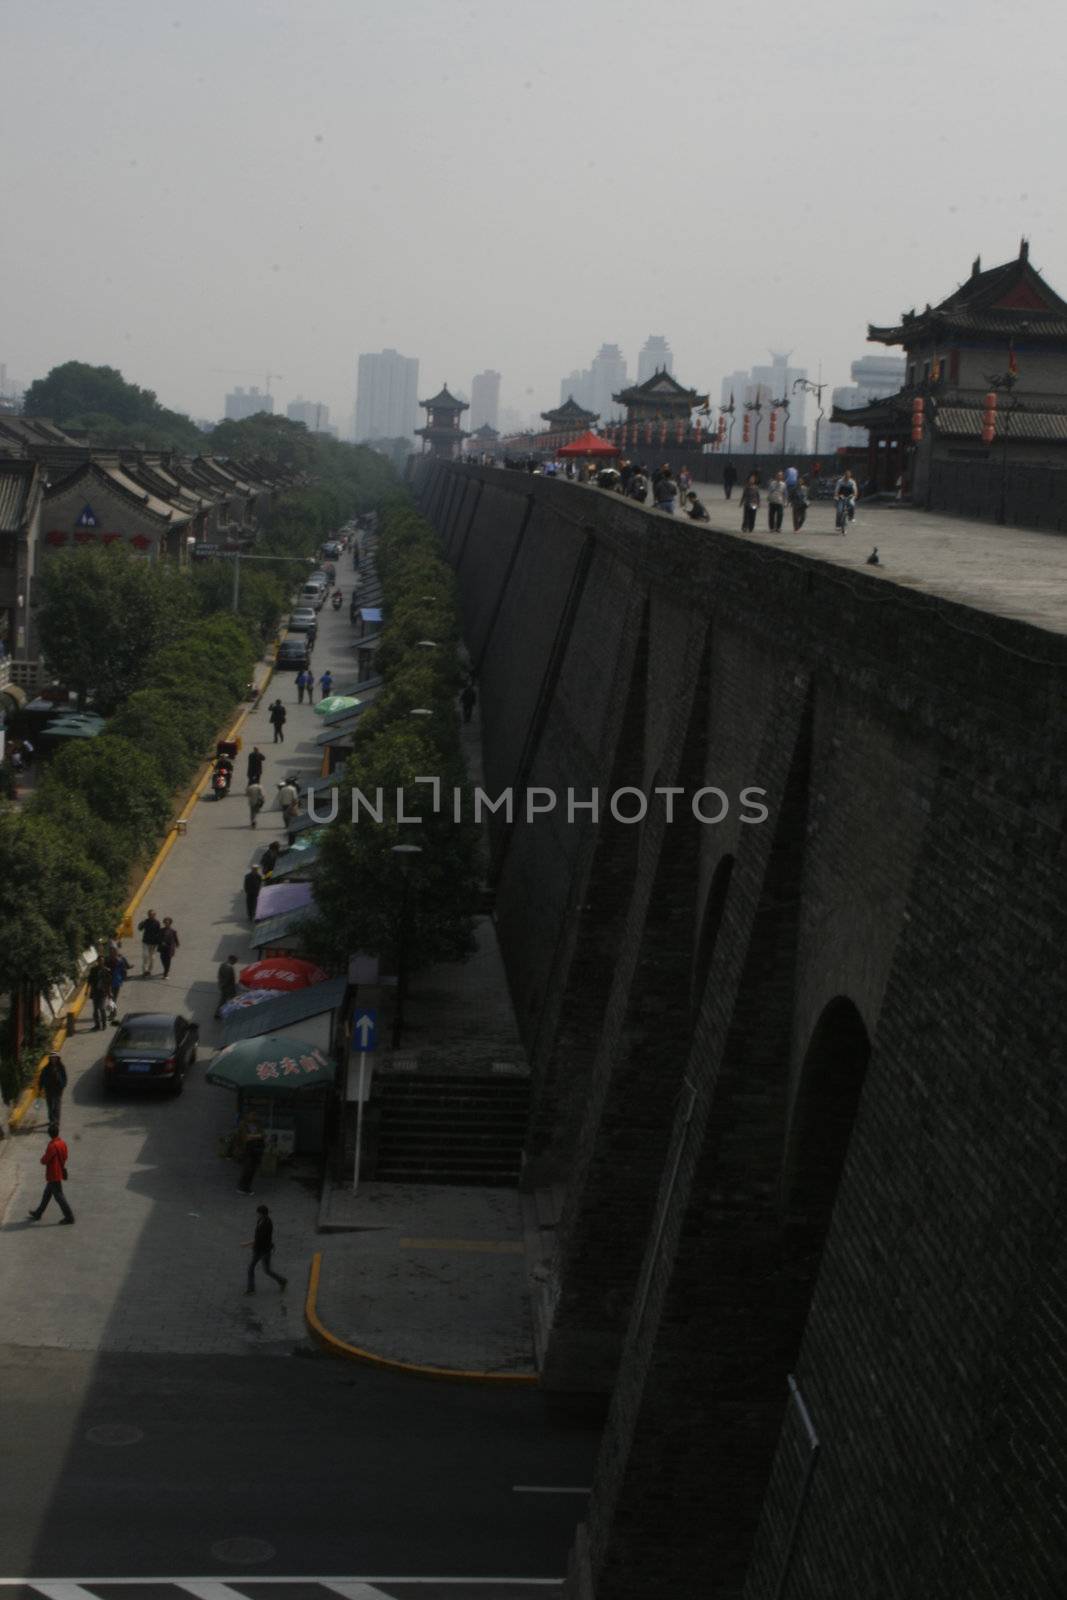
{"points": [[799, 1082]]}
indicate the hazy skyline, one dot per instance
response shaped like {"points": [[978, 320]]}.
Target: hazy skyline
{"points": [[199, 193]]}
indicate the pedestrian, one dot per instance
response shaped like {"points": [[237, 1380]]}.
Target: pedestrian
{"points": [[637, 488], [53, 1082], [227, 981], [326, 683], [729, 478], [777, 494], [276, 714], [467, 700], [269, 857], [99, 993], [800, 504], [685, 482], [289, 801], [695, 508], [256, 801], [119, 968], [262, 1247], [168, 943], [750, 504], [252, 1143], [27, 754], [664, 491], [54, 1161], [254, 770], [253, 884], [304, 680], [149, 929]]}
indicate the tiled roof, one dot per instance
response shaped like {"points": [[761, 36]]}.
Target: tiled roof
{"points": [[963, 421], [660, 385], [20, 487], [997, 302], [444, 401]]}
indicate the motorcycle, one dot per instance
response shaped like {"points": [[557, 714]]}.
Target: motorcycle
{"points": [[222, 778], [337, 600]]}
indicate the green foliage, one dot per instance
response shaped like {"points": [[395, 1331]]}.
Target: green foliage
{"points": [[54, 893], [77, 395], [102, 614], [359, 883]]}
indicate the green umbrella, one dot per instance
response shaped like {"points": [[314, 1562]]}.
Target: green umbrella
{"points": [[332, 703], [275, 1063]]}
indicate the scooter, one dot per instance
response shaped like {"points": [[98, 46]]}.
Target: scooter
{"points": [[222, 778], [337, 600]]}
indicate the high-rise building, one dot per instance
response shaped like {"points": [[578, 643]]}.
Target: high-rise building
{"points": [[766, 384], [873, 378], [485, 400], [241, 403], [312, 413], [594, 387], [656, 356], [387, 396]]}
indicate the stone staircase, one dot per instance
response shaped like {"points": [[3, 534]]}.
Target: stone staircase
{"points": [[450, 1127]]}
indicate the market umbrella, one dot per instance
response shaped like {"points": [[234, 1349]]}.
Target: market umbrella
{"points": [[589, 444], [277, 1063], [250, 997], [331, 703], [282, 972]]}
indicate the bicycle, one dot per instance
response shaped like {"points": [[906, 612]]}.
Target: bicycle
{"points": [[843, 513]]}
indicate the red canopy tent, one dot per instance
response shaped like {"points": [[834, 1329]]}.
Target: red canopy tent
{"points": [[589, 444]]}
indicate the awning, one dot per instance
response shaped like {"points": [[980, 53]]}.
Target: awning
{"points": [[294, 864], [370, 614], [12, 697], [275, 899], [273, 930], [285, 1012]]}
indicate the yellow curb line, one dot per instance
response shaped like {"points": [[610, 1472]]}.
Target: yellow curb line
{"points": [[32, 1091], [350, 1352]]}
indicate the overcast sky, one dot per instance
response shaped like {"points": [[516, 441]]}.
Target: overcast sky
{"points": [[247, 185]]}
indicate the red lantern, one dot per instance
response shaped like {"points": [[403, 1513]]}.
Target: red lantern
{"points": [[745, 429], [722, 427], [680, 432], [648, 433], [989, 417], [772, 432], [988, 433]]}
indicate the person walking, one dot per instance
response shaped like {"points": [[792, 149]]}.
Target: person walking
{"points": [[99, 993], [256, 801], [685, 482], [800, 504], [269, 857], [777, 495], [119, 968], [53, 1082], [276, 714], [664, 492], [54, 1161], [252, 1144], [304, 680], [325, 683], [253, 884], [168, 943], [729, 478], [254, 770], [468, 700], [149, 929], [289, 802], [227, 981], [750, 504], [262, 1248]]}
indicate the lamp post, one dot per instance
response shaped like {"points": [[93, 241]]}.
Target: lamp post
{"points": [[728, 411], [782, 405], [239, 556], [405, 854], [807, 387]]}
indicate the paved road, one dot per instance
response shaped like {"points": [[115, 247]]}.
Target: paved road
{"points": [[230, 1428]]}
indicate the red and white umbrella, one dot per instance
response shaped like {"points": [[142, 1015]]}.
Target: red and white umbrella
{"points": [[282, 972]]}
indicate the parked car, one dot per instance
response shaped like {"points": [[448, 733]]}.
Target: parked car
{"points": [[151, 1050], [304, 620], [332, 549], [314, 593], [293, 655]]}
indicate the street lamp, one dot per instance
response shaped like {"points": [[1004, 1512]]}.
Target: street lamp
{"points": [[405, 854], [806, 385], [728, 411]]}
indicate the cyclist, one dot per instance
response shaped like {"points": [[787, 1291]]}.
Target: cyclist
{"points": [[846, 493]]}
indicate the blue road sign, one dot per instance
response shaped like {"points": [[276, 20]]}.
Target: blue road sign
{"points": [[365, 1031]]}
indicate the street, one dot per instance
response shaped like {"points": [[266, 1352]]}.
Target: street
{"points": [[157, 1421]]}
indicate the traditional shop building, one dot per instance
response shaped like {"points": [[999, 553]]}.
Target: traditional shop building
{"points": [[986, 381], [21, 496], [442, 436], [101, 504]]}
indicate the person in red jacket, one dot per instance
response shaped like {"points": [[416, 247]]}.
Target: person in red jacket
{"points": [[54, 1162]]}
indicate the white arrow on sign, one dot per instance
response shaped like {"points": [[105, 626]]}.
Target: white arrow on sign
{"points": [[366, 1026]]}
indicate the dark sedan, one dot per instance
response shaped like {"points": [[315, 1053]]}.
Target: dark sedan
{"points": [[151, 1050]]}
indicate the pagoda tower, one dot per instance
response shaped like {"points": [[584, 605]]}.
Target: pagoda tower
{"points": [[442, 435]]}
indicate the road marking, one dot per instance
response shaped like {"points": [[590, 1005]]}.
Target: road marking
{"points": [[61, 1591], [353, 1589], [547, 1488], [488, 1247], [211, 1589]]}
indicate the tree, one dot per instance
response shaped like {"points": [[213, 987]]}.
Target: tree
{"points": [[56, 897], [103, 613], [98, 399]]}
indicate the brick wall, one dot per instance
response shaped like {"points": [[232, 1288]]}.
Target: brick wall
{"points": [[826, 1138]]}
